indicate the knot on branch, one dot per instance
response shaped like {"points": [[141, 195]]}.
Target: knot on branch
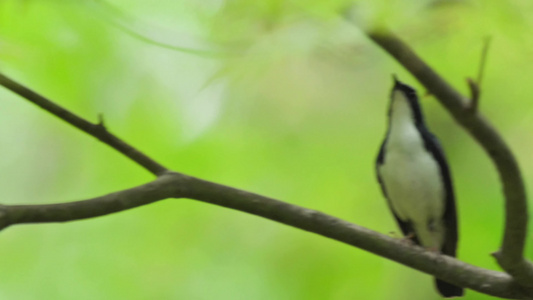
{"points": [[177, 183], [521, 270], [474, 95], [101, 124]]}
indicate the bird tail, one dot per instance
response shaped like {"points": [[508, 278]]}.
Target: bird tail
{"points": [[449, 247], [448, 290]]}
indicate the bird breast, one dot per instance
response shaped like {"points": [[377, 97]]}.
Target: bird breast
{"points": [[413, 182]]}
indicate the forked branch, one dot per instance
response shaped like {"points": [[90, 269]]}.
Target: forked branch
{"points": [[174, 185]]}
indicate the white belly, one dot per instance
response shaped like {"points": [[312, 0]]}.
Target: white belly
{"points": [[414, 186]]}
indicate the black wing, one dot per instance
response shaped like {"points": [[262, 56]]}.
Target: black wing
{"points": [[450, 215], [406, 227]]}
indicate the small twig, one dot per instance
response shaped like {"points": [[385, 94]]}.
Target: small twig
{"points": [[474, 95], [101, 122], [483, 59], [475, 86], [92, 129]]}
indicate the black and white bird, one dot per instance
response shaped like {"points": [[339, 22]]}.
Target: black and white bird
{"points": [[415, 178]]}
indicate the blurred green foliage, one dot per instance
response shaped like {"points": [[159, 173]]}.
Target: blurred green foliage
{"points": [[285, 98]]}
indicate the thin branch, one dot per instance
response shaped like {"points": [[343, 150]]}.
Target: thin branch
{"points": [[96, 130], [174, 185], [161, 188], [510, 256]]}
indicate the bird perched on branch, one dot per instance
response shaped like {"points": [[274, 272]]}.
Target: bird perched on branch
{"points": [[415, 178]]}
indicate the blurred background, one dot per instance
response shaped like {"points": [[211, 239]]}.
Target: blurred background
{"points": [[282, 98]]}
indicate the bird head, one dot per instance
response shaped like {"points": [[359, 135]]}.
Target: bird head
{"points": [[404, 103]]}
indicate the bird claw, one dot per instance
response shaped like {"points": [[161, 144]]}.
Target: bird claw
{"points": [[432, 249], [409, 239]]}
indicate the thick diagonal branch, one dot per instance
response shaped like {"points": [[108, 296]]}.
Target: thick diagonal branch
{"points": [[174, 185], [510, 256], [96, 130]]}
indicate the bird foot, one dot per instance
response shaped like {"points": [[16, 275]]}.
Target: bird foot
{"points": [[409, 239], [432, 249]]}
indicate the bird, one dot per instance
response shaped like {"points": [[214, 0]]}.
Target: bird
{"points": [[415, 179]]}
